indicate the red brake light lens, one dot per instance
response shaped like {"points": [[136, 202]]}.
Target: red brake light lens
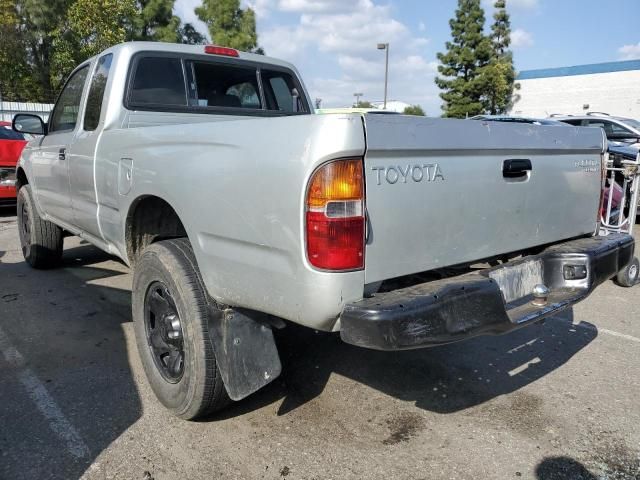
{"points": [[335, 216], [225, 51]]}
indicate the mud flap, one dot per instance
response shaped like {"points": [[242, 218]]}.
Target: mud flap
{"points": [[245, 350]]}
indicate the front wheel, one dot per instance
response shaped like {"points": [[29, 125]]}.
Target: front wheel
{"points": [[170, 314], [40, 240], [628, 276]]}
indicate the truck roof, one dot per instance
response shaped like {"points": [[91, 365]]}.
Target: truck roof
{"points": [[134, 47]]}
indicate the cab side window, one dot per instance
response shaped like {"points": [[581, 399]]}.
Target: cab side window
{"points": [[159, 81], [96, 93], [281, 92], [65, 113]]}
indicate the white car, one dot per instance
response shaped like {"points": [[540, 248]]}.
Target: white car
{"points": [[618, 129]]}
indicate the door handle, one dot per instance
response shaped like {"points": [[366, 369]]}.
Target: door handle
{"points": [[62, 154], [516, 167]]}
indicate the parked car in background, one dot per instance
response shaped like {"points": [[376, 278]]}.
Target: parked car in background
{"points": [[509, 119], [355, 110], [619, 129], [11, 145]]}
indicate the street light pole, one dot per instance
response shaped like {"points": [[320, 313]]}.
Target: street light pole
{"points": [[385, 47], [358, 95]]}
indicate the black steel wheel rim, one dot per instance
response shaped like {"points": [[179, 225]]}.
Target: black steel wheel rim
{"points": [[164, 332], [25, 227]]}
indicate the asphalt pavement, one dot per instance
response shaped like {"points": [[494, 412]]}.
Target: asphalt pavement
{"points": [[554, 401]]}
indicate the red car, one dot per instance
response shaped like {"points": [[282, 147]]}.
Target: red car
{"points": [[11, 145]]}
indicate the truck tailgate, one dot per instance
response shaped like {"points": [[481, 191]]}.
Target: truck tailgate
{"points": [[442, 192]]}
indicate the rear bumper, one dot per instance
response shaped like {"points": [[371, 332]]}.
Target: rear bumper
{"points": [[7, 195], [491, 301], [7, 186]]}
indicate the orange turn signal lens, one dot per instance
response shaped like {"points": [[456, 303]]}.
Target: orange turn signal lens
{"points": [[336, 181]]}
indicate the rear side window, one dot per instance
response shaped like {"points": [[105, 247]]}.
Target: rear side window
{"points": [[96, 93], [281, 92], [219, 85], [158, 81]]}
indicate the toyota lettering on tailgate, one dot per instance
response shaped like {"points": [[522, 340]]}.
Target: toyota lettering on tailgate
{"points": [[428, 172]]}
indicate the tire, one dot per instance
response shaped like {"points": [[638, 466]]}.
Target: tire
{"points": [[628, 276], [178, 358], [41, 241]]}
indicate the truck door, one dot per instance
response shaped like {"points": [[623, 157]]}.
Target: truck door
{"points": [[81, 155], [49, 164]]}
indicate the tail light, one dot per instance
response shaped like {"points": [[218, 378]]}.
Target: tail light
{"points": [[335, 216], [224, 51]]}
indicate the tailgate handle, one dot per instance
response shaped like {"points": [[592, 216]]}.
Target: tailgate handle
{"points": [[517, 167]]}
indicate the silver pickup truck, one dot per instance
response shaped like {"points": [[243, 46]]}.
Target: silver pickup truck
{"points": [[240, 210]]}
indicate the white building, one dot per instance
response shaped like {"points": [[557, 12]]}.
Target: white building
{"points": [[392, 105], [612, 87]]}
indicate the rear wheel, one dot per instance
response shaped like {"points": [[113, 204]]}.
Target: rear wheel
{"points": [[41, 241], [628, 276], [170, 313]]}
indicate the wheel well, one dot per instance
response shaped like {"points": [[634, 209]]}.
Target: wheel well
{"points": [[21, 179], [150, 219]]}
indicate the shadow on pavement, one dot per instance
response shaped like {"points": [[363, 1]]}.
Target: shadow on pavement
{"points": [[69, 327], [69, 330], [563, 468], [7, 211], [442, 379]]}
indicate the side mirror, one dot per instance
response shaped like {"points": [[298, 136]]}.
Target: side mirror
{"points": [[29, 123]]}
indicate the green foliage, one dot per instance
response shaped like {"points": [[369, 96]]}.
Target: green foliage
{"points": [[498, 77], [90, 27], [477, 70], [468, 51], [155, 21], [13, 68], [26, 48], [43, 40], [363, 104], [501, 29], [414, 110], [229, 25], [189, 35]]}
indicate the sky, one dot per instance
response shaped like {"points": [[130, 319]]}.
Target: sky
{"points": [[333, 42]]}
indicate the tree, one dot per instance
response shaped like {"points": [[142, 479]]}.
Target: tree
{"points": [[15, 80], [501, 29], [229, 25], [498, 77], [190, 36], [38, 21], [467, 53], [91, 26], [414, 110], [155, 21], [363, 104]]}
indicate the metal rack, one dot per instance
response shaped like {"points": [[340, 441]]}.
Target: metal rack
{"points": [[621, 195]]}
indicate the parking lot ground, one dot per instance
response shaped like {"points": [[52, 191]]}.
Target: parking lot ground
{"points": [[554, 401]]}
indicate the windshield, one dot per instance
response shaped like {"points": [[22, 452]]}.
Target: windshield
{"points": [[631, 123], [6, 133]]}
